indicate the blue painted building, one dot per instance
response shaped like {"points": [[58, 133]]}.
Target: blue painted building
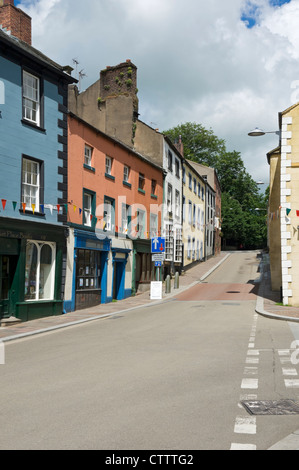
{"points": [[33, 181]]}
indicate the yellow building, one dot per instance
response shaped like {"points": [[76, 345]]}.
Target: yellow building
{"points": [[194, 193], [283, 217]]}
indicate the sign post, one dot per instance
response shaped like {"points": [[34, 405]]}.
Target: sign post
{"points": [[158, 256]]}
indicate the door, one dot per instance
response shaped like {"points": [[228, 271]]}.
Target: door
{"points": [[7, 294], [118, 281]]}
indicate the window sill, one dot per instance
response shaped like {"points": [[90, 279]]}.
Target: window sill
{"points": [[153, 196], [90, 168], [128, 185], [34, 126], [29, 212], [109, 177], [141, 191]]}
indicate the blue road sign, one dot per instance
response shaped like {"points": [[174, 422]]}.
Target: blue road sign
{"points": [[158, 245], [158, 264]]}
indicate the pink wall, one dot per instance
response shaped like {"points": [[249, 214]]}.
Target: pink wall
{"points": [[80, 177]]}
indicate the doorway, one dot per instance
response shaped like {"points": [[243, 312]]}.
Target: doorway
{"points": [[118, 280], [8, 266]]}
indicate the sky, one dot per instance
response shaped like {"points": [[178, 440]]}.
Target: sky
{"points": [[228, 65]]}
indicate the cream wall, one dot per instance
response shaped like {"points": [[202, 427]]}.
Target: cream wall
{"points": [[191, 231], [274, 222], [289, 224]]}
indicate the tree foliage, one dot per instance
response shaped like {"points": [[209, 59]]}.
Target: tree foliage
{"points": [[242, 224]]}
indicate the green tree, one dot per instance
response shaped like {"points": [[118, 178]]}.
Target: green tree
{"points": [[241, 223]]}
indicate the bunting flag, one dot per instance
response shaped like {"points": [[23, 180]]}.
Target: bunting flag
{"points": [[288, 211], [14, 205], [66, 207], [24, 207], [33, 208], [58, 208], [75, 207], [3, 203], [297, 213], [42, 208]]}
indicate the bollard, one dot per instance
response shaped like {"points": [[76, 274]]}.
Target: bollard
{"points": [[167, 285], [176, 280]]}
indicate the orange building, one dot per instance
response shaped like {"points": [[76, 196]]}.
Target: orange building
{"points": [[115, 198]]}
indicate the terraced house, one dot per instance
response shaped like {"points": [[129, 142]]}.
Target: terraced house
{"points": [[194, 192], [114, 207], [33, 172]]}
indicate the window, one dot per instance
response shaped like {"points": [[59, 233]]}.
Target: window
{"points": [[177, 204], [190, 213], [169, 242], [40, 270], [193, 248], [197, 251], [126, 174], [125, 218], [153, 225], [169, 198], [178, 245], [202, 193], [198, 189], [88, 270], [184, 175], [154, 187], [190, 181], [169, 160], [140, 223], [31, 185], [198, 218], [109, 214], [189, 248], [141, 182], [194, 185], [87, 203], [31, 98], [87, 155], [108, 166], [184, 208], [194, 215], [177, 168]]}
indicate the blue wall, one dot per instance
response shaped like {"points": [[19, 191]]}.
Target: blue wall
{"points": [[17, 138]]}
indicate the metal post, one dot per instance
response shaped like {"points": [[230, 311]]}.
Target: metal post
{"points": [[176, 280], [167, 285]]}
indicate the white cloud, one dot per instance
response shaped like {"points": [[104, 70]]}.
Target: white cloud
{"points": [[196, 60]]}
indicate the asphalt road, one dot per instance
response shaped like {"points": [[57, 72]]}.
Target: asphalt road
{"points": [[167, 377]]}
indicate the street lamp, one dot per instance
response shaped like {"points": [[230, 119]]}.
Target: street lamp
{"points": [[258, 132]]}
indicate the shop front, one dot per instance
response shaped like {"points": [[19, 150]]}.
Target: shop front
{"points": [[143, 266], [89, 270], [31, 257]]}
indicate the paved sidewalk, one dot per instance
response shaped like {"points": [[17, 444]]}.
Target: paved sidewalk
{"points": [[269, 302], [43, 325]]}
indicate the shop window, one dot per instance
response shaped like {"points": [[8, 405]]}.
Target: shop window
{"points": [[88, 270], [40, 270]]}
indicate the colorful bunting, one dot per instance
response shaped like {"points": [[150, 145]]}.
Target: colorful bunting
{"points": [[14, 205], [288, 211], [33, 208], [3, 203]]}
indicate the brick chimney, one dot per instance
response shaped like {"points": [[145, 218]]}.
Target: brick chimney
{"points": [[15, 21]]}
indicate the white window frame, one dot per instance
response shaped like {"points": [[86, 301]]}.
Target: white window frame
{"points": [[177, 203], [108, 165], [153, 225], [87, 209], [169, 198], [31, 98], [88, 151], [39, 246], [126, 173], [29, 186]]}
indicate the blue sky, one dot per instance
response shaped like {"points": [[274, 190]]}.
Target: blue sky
{"points": [[251, 16]]}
